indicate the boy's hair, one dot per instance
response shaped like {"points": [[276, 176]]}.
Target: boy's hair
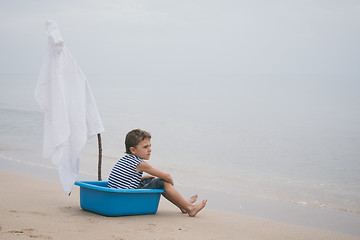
{"points": [[134, 137]]}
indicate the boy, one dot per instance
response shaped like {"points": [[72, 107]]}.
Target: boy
{"points": [[127, 173]]}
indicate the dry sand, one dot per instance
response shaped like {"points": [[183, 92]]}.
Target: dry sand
{"points": [[38, 209]]}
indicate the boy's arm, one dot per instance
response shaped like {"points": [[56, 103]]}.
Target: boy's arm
{"points": [[147, 176], [145, 167]]}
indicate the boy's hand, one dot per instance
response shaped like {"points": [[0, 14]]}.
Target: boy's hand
{"points": [[170, 180]]}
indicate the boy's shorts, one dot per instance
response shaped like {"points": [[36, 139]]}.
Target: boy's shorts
{"points": [[152, 183]]}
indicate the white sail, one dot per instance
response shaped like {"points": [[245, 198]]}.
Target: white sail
{"points": [[71, 115]]}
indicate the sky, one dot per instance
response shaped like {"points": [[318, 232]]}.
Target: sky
{"points": [[162, 37]]}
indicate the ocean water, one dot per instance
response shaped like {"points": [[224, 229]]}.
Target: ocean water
{"points": [[293, 139]]}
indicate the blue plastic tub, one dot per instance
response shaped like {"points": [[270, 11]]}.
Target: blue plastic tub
{"points": [[95, 196]]}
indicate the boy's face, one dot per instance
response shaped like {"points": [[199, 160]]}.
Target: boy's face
{"points": [[142, 150]]}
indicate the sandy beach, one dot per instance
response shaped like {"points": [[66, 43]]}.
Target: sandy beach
{"points": [[39, 209]]}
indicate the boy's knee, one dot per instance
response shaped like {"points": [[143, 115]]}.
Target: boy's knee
{"points": [[167, 185]]}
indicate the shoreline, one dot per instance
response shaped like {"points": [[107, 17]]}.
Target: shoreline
{"points": [[265, 209], [283, 212], [38, 208]]}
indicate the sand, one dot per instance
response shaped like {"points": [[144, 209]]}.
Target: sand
{"points": [[37, 209]]}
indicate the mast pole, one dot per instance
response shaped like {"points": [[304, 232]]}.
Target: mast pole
{"points": [[100, 156]]}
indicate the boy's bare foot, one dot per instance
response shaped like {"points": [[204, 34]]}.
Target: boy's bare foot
{"points": [[191, 200], [197, 208]]}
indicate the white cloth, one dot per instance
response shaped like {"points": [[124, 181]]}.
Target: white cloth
{"points": [[71, 115]]}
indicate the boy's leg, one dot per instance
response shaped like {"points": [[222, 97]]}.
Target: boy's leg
{"points": [[191, 200], [152, 183], [175, 197]]}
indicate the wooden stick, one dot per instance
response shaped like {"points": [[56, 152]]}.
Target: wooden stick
{"points": [[100, 157]]}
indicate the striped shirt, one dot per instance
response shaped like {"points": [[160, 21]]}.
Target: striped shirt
{"points": [[124, 174]]}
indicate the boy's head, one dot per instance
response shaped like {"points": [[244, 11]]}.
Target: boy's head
{"points": [[134, 137]]}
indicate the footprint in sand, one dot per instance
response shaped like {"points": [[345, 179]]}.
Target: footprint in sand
{"points": [[40, 236], [28, 212], [150, 227], [29, 232]]}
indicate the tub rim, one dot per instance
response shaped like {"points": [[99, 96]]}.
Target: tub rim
{"points": [[95, 186]]}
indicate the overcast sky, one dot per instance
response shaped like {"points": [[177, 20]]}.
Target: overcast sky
{"points": [[187, 36]]}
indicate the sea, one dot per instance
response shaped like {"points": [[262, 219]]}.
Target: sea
{"points": [[292, 139]]}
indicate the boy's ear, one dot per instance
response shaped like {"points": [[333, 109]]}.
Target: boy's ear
{"points": [[132, 150]]}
